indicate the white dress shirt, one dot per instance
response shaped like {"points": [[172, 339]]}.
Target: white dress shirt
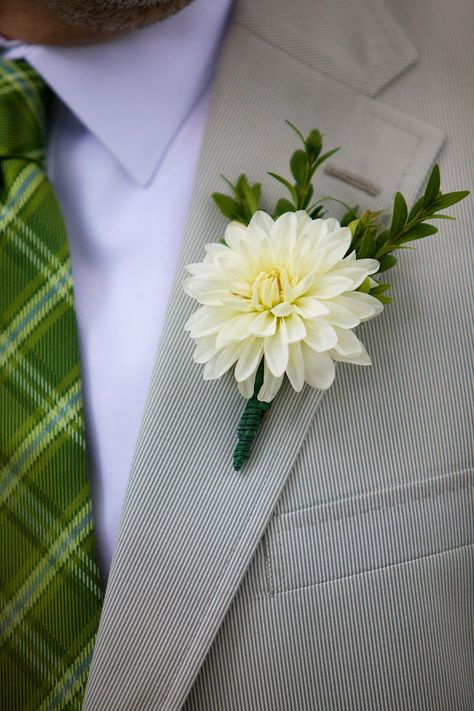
{"points": [[122, 155]]}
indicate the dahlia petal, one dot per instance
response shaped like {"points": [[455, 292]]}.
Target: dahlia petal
{"points": [[205, 349], [275, 292], [302, 219], [319, 368], [341, 316], [362, 305], [347, 343], [328, 286], [202, 269], [207, 321], [295, 367], [309, 261], [283, 309], [209, 369], [271, 385], [316, 231], [214, 249], [249, 256], [249, 359], [205, 296], [263, 325], [227, 357], [276, 352], [193, 319], [238, 303], [302, 286], [210, 280], [305, 244], [354, 274], [362, 359], [263, 220], [247, 387], [332, 224], [283, 235], [338, 243], [309, 307], [234, 233], [266, 294], [371, 266], [236, 329], [294, 327], [320, 336]]}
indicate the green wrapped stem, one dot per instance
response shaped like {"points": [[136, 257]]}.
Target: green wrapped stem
{"points": [[250, 423]]}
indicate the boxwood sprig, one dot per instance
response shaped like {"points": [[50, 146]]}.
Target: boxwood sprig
{"points": [[370, 238]]}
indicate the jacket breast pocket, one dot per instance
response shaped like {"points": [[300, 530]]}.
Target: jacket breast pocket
{"points": [[345, 538]]}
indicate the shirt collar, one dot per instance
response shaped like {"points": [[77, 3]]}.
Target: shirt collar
{"points": [[134, 92]]}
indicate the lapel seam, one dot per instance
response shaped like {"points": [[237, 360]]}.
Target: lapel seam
{"points": [[375, 73], [301, 61]]}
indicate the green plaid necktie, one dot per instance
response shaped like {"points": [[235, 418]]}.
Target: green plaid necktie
{"points": [[50, 593]]}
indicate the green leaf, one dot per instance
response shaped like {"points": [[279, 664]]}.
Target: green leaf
{"points": [[384, 299], [324, 158], [386, 262], [231, 185], [314, 143], [296, 130], [283, 205], [299, 165], [441, 217], [432, 189], [415, 209], [366, 247], [287, 185], [448, 199], [349, 216], [307, 199], [318, 211], [365, 286], [417, 232], [383, 238], [241, 184], [379, 289], [399, 217], [252, 196], [229, 207]]}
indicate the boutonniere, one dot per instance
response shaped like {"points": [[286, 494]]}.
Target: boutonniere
{"points": [[281, 294]]}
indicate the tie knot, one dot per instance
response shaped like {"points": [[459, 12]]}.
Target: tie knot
{"points": [[23, 100]]}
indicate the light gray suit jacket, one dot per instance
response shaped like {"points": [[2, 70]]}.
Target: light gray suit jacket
{"points": [[332, 572]]}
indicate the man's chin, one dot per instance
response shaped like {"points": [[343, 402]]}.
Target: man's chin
{"points": [[73, 22]]}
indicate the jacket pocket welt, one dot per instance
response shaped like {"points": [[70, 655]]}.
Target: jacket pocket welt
{"points": [[333, 541]]}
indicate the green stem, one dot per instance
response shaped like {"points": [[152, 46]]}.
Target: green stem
{"points": [[249, 423]]}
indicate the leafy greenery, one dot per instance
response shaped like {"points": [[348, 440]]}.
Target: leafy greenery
{"points": [[303, 164], [245, 202], [370, 238]]}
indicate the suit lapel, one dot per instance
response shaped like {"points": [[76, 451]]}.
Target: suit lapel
{"points": [[190, 523]]}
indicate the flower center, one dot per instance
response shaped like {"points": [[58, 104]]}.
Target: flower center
{"points": [[269, 288]]}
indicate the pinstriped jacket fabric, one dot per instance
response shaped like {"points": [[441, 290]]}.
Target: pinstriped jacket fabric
{"points": [[333, 572]]}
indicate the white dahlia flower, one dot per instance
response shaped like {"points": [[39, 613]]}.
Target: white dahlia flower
{"points": [[282, 290]]}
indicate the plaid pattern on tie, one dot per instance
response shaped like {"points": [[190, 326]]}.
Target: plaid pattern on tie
{"points": [[50, 593]]}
